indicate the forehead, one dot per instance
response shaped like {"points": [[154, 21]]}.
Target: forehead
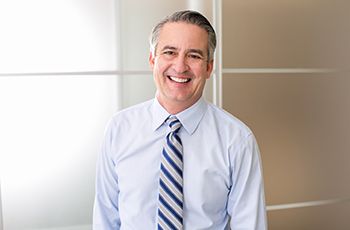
{"points": [[183, 35]]}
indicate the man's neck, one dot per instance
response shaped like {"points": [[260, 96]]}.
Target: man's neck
{"points": [[174, 107]]}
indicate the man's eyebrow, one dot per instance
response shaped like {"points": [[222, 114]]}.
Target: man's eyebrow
{"points": [[169, 48], [198, 51]]}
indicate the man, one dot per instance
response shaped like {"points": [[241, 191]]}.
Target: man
{"points": [[178, 162]]}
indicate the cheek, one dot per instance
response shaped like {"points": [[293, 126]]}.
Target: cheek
{"points": [[201, 73], [160, 66]]}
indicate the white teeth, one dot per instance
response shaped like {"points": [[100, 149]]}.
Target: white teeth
{"points": [[180, 80]]}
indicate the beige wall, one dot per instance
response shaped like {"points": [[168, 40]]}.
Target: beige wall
{"points": [[294, 94]]}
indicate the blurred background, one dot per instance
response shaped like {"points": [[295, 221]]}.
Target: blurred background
{"points": [[67, 65]]}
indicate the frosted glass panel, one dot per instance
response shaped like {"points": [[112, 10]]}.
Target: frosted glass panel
{"points": [[57, 35], [137, 89], [51, 132], [293, 33], [301, 122]]}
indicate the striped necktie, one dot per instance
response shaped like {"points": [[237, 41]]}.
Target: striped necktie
{"points": [[170, 205]]}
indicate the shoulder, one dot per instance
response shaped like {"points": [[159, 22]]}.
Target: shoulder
{"points": [[231, 131], [227, 121], [234, 134]]}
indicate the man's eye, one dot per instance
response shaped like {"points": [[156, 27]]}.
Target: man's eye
{"points": [[194, 56], [169, 52]]}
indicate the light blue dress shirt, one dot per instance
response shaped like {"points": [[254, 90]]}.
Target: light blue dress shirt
{"points": [[222, 171]]}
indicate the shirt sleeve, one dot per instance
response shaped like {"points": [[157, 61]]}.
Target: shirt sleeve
{"points": [[106, 212], [246, 203]]}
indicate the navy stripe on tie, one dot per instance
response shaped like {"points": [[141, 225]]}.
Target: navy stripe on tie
{"points": [[170, 141], [178, 139], [171, 178], [173, 164], [160, 227], [173, 147], [169, 208], [170, 193], [166, 220]]}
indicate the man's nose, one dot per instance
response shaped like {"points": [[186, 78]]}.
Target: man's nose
{"points": [[180, 64]]}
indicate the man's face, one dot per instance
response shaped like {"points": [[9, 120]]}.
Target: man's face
{"points": [[180, 65]]}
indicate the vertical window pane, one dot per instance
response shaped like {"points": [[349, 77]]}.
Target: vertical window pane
{"points": [[51, 131], [57, 35]]}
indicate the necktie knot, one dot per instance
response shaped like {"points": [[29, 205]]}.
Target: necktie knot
{"points": [[174, 124]]}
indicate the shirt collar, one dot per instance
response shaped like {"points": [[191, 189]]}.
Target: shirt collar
{"points": [[189, 118], [159, 114]]}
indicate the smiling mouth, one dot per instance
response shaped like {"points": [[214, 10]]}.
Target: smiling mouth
{"points": [[179, 80]]}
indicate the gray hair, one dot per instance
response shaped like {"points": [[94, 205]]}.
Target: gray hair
{"points": [[191, 17]]}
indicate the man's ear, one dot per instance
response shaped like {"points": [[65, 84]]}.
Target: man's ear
{"points": [[151, 60], [210, 66]]}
